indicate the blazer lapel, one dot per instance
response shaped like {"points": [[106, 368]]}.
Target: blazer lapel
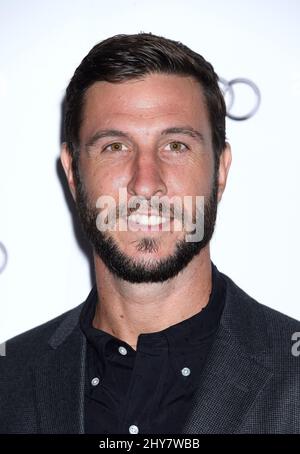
{"points": [[235, 372], [59, 380], [230, 384]]}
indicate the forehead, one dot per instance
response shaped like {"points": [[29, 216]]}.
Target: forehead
{"points": [[154, 101]]}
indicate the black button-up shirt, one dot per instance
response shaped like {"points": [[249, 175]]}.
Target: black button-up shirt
{"points": [[148, 390]]}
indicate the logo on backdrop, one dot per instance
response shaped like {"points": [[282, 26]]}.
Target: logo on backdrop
{"points": [[3, 257], [242, 97]]}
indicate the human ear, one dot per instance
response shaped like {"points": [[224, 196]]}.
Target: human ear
{"points": [[66, 161], [224, 166]]}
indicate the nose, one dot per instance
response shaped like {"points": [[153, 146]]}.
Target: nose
{"points": [[147, 178]]}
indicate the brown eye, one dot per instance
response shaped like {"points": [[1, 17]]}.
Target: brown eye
{"points": [[178, 147], [116, 146]]}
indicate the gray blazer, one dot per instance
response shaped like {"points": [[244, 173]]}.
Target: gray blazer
{"points": [[250, 383]]}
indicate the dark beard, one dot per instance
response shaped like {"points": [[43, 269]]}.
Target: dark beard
{"points": [[126, 267]]}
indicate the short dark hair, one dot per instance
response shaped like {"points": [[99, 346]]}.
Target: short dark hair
{"points": [[124, 57]]}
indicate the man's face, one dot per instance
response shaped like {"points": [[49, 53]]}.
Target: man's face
{"points": [[153, 154]]}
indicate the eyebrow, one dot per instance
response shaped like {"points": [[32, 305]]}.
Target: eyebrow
{"points": [[186, 130]]}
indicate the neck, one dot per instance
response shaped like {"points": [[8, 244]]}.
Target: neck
{"points": [[126, 310]]}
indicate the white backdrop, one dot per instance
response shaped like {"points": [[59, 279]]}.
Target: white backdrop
{"points": [[42, 42]]}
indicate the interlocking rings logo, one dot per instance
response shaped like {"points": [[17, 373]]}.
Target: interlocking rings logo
{"points": [[3, 257], [228, 90]]}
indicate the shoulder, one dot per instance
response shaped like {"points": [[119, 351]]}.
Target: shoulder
{"points": [[250, 304], [260, 327], [28, 346]]}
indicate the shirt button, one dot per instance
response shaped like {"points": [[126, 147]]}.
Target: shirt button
{"points": [[133, 429], [95, 381], [185, 371], [122, 350]]}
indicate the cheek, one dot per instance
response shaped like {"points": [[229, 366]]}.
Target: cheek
{"points": [[194, 179], [117, 181], [99, 181], [91, 179]]}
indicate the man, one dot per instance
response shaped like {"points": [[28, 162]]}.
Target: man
{"points": [[165, 343]]}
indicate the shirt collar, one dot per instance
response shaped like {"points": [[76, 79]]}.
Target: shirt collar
{"points": [[182, 335]]}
